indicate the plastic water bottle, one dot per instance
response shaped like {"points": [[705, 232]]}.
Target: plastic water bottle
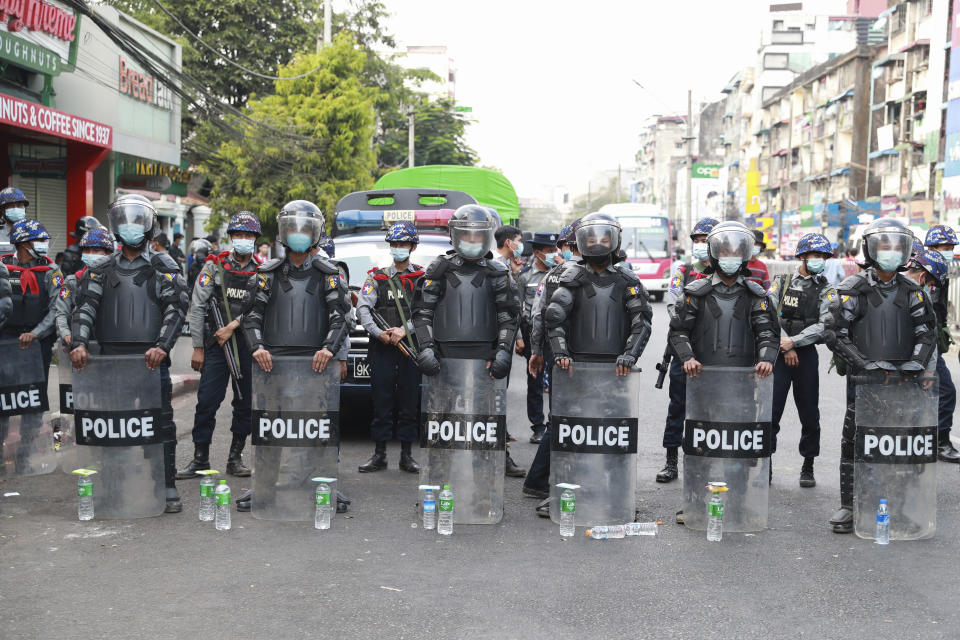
{"points": [[223, 506], [429, 509], [715, 511], [640, 528], [324, 504], [568, 509], [84, 494], [883, 523], [445, 518], [207, 500], [604, 532]]}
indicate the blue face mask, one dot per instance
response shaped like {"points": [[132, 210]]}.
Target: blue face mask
{"points": [[243, 246], [399, 254], [567, 254], [756, 251], [519, 250], [815, 265], [15, 214], [41, 247], [93, 259], [889, 259], [298, 242], [550, 259], [947, 255], [131, 233], [471, 249], [730, 266], [699, 251]]}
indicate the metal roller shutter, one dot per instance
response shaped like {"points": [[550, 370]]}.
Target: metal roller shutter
{"points": [[48, 204]]}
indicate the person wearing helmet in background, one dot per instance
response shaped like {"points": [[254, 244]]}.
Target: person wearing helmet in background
{"points": [[199, 250], [757, 267], [943, 239], [135, 278], [394, 377], [676, 410], [859, 318], [797, 298], [13, 209], [225, 280], [95, 246], [484, 287], [71, 258]]}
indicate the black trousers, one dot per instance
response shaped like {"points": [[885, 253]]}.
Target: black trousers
{"points": [[395, 383], [805, 379]]}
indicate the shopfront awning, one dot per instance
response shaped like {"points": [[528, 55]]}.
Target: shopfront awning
{"points": [[36, 117]]}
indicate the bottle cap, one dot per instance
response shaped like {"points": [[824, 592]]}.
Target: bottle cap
{"points": [[319, 479], [83, 472], [446, 486], [588, 533], [883, 501], [208, 472], [567, 485], [223, 482], [428, 487]]}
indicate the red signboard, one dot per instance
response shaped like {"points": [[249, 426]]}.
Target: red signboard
{"points": [[36, 117], [37, 15]]}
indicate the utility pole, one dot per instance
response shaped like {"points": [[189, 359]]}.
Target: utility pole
{"points": [[689, 181], [327, 22], [410, 142], [619, 190]]}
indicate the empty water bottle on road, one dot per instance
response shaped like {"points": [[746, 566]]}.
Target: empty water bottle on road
{"points": [[715, 511], [428, 499], [223, 506], [883, 523], [445, 517], [568, 509], [604, 532], [641, 528], [324, 503], [208, 502], [84, 493]]}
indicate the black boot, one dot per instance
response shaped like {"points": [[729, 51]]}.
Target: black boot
{"points": [[235, 466], [407, 463], [669, 472], [842, 520], [200, 462], [243, 500], [169, 476], [512, 469], [806, 474], [377, 462], [946, 452]]}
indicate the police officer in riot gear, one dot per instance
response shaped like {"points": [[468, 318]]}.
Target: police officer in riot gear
{"points": [[466, 305], [682, 276], [600, 311], [134, 302], [71, 255], [96, 246], [798, 298], [394, 378], [545, 253], [877, 321], [943, 239], [226, 280], [199, 250]]}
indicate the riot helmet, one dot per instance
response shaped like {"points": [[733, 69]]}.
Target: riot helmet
{"points": [[200, 249], [472, 229], [730, 247], [598, 237], [300, 225], [887, 244], [84, 224], [132, 220]]}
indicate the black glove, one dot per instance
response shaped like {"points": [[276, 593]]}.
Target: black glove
{"points": [[500, 365], [626, 360], [427, 362]]}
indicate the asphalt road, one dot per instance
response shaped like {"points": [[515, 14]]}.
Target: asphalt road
{"points": [[375, 573]]}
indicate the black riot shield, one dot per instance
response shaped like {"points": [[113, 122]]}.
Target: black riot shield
{"points": [[593, 441], [727, 437], [119, 431], [26, 437], [895, 455], [463, 438], [296, 432]]}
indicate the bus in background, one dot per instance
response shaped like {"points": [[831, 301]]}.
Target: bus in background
{"points": [[647, 239]]}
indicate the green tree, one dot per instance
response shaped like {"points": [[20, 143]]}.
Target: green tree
{"points": [[439, 135], [333, 112]]}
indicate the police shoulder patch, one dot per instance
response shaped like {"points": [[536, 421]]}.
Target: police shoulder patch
{"points": [[763, 303], [920, 296], [367, 287], [203, 280], [333, 281], [64, 293], [57, 280], [261, 281], [633, 291]]}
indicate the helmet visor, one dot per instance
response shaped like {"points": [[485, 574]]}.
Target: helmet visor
{"points": [[731, 244], [598, 239], [125, 213], [472, 239], [288, 225], [887, 243]]}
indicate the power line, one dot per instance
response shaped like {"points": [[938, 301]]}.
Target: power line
{"points": [[220, 55]]}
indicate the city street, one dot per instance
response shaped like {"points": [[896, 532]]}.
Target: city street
{"points": [[377, 574]]}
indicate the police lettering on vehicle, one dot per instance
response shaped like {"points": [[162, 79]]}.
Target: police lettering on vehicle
{"points": [[120, 428], [897, 445], [458, 431], [593, 435], [296, 428], [24, 398], [727, 439]]}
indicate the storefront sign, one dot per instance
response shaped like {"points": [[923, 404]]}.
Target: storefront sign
{"points": [[38, 34], [38, 167], [706, 171], [137, 173], [143, 87], [36, 117]]}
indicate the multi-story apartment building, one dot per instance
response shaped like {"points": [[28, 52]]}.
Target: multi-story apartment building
{"points": [[661, 141]]}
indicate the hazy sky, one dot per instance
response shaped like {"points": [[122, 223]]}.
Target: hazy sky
{"points": [[550, 82]]}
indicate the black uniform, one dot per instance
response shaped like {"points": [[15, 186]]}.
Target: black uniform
{"points": [[874, 325], [72, 262]]}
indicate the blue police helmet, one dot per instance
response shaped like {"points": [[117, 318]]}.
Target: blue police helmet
{"points": [[28, 230], [98, 237], [703, 227], [403, 231], [12, 195], [814, 242], [933, 263], [940, 234], [244, 221]]}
